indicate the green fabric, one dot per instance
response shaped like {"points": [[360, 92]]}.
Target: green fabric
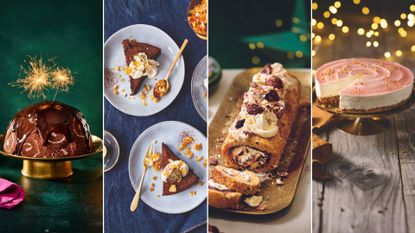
{"points": [[71, 32]]}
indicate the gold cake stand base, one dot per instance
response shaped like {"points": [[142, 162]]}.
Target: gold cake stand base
{"points": [[364, 126], [52, 168], [47, 170]]}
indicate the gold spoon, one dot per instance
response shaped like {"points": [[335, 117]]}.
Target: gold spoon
{"points": [[148, 162], [162, 86]]}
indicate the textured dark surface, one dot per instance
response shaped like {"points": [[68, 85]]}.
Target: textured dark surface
{"points": [[169, 16], [70, 31]]}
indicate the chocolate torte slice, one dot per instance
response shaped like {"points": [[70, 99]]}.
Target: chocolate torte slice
{"points": [[186, 182], [132, 48]]}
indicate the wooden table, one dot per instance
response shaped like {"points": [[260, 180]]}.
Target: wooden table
{"points": [[373, 184]]}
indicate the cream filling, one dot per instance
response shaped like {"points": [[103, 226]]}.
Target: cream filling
{"points": [[249, 157], [333, 88], [376, 101], [217, 186], [264, 124]]}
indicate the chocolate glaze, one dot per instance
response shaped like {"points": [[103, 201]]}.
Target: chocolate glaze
{"points": [[132, 48], [48, 129]]}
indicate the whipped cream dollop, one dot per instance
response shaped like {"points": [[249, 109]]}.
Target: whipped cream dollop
{"points": [[174, 171], [142, 66], [264, 124]]}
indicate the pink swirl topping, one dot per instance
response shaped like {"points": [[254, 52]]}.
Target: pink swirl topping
{"points": [[368, 76]]}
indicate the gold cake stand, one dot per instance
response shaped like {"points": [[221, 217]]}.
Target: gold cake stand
{"points": [[51, 168], [362, 123]]}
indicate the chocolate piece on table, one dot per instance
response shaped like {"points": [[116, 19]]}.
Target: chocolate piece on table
{"points": [[322, 150]]}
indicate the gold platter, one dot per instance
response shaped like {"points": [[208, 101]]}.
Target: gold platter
{"points": [[277, 197], [51, 168], [361, 123]]}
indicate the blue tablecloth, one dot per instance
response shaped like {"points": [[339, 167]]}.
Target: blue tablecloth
{"points": [[169, 16]]}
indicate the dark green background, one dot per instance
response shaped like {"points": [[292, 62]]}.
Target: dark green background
{"points": [[71, 32], [231, 21]]}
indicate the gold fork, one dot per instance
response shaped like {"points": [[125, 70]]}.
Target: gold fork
{"points": [[148, 162]]}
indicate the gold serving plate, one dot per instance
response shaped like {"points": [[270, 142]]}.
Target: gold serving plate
{"points": [[298, 146], [51, 168], [364, 123]]}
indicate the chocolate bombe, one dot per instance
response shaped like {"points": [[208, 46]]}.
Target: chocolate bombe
{"points": [[48, 130]]}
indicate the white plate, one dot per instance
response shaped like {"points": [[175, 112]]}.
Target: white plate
{"points": [[168, 132], [199, 92], [114, 56]]}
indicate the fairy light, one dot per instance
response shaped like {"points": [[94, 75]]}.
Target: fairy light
{"points": [[412, 8], [313, 35], [410, 23], [375, 44], [398, 53], [299, 54], [334, 21], [374, 26], [376, 19], [317, 39], [255, 60], [260, 45], [413, 48], [368, 44], [333, 10], [397, 23], [279, 22], [332, 36], [313, 53], [361, 31], [337, 4], [376, 34], [303, 38], [345, 29], [320, 25], [339, 23], [383, 23], [387, 54], [251, 46], [411, 16], [313, 22], [326, 14], [314, 6], [365, 10], [356, 2], [296, 20], [403, 16]]}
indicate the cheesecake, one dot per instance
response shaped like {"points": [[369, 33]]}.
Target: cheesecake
{"points": [[134, 52], [363, 84]]}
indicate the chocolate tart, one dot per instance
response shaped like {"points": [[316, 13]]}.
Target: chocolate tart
{"points": [[132, 48], [186, 182]]}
